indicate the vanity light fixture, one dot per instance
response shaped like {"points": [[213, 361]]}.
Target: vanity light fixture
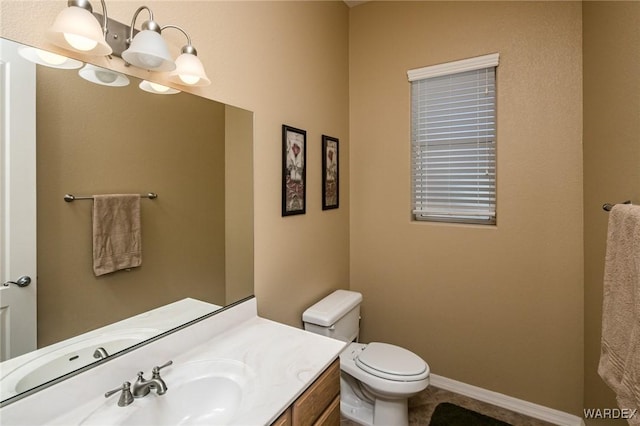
{"points": [[157, 89], [148, 49], [48, 59], [189, 69], [76, 28], [103, 76]]}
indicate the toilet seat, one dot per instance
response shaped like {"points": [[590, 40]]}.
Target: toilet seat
{"points": [[391, 362]]}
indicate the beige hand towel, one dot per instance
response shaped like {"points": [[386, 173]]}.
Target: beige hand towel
{"points": [[620, 345], [117, 242]]}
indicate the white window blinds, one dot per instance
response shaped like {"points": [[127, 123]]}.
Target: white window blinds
{"points": [[453, 134]]}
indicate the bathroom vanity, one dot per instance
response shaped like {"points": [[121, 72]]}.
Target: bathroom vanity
{"points": [[232, 368]]}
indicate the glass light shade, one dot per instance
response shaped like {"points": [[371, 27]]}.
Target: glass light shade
{"points": [[149, 51], [77, 29], [79, 42], [103, 76], [157, 89], [48, 59], [190, 71]]}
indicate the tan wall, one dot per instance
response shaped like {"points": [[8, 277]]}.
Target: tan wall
{"points": [[496, 307], [123, 140], [611, 154], [287, 62]]}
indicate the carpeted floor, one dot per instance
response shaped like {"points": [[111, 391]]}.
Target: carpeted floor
{"points": [[423, 405]]}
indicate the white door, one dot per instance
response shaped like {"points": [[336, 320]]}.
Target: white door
{"points": [[17, 202]]}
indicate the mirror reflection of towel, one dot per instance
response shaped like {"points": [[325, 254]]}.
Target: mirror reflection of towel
{"points": [[117, 242]]}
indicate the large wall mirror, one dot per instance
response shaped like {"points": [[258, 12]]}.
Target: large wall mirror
{"points": [[197, 235]]}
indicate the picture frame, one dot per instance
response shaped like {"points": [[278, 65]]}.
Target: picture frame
{"points": [[330, 173], [294, 170]]}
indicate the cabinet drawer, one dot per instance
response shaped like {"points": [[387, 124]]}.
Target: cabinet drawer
{"points": [[315, 400], [284, 419], [331, 416]]}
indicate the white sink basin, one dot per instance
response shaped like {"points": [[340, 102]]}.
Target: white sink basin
{"points": [[207, 392], [204, 401]]}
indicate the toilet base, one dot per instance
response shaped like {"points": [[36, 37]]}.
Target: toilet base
{"points": [[361, 413], [382, 413], [395, 412]]}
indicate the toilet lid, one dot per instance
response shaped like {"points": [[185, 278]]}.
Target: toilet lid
{"points": [[391, 362]]}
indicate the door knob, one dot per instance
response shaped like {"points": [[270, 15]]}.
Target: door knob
{"points": [[23, 281]]}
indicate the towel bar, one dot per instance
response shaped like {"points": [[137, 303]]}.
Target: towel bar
{"points": [[608, 206], [70, 197]]}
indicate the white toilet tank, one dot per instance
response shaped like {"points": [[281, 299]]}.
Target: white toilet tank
{"points": [[336, 316]]}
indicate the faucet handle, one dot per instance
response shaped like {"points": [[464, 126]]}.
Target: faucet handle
{"points": [[156, 369], [126, 397]]}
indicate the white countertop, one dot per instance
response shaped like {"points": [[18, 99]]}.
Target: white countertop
{"points": [[283, 361]]}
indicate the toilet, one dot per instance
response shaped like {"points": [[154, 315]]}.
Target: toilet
{"points": [[376, 379]]}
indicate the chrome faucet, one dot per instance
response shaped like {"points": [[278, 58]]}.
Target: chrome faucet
{"points": [[142, 387]]}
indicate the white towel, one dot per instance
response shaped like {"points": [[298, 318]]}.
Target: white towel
{"points": [[620, 345], [117, 242]]}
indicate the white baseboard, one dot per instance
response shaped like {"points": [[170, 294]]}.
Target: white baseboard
{"points": [[519, 406]]}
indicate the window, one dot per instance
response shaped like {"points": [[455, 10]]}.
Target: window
{"points": [[453, 141]]}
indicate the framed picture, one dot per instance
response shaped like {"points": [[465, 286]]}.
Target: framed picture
{"points": [[294, 170], [330, 173]]}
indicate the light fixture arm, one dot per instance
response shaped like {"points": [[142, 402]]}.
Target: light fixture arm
{"points": [[185, 49], [147, 25], [85, 4]]}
